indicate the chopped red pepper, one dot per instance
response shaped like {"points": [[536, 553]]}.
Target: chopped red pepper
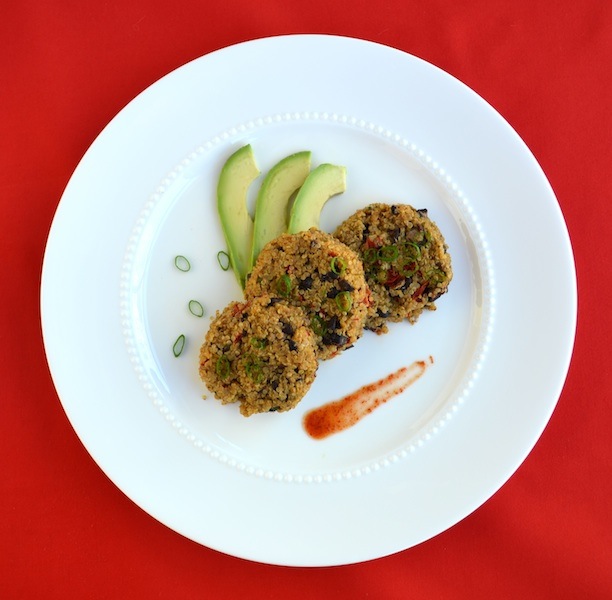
{"points": [[238, 309], [393, 277], [419, 291], [370, 243]]}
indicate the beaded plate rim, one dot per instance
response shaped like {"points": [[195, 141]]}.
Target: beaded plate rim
{"points": [[485, 266]]}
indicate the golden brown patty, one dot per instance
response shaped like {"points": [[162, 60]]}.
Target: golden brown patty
{"points": [[316, 272], [260, 353], [405, 259]]}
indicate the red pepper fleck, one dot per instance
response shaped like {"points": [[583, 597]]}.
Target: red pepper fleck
{"points": [[392, 277], [238, 308], [419, 291]]}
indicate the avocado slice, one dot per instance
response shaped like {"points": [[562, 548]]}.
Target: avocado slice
{"points": [[323, 182], [239, 171], [272, 206]]}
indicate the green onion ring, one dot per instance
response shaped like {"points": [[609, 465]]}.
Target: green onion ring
{"points": [[388, 253], [283, 285], [318, 325], [253, 368], [255, 372], [344, 301], [223, 259], [223, 367], [338, 265], [179, 345], [258, 343], [181, 263], [413, 250], [436, 276], [381, 276], [370, 255], [195, 308]]}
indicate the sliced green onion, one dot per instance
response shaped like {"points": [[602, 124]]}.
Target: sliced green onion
{"points": [[195, 308], [177, 349], [412, 250], [388, 253], [344, 301], [283, 285], [181, 263], [436, 276], [318, 325], [223, 259], [223, 367], [408, 269], [258, 343], [370, 255], [256, 373], [253, 368], [381, 276], [338, 265]]}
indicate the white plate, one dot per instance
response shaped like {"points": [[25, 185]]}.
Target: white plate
{"points": [[113, 303]]}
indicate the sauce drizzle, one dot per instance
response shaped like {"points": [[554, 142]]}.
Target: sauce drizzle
{"points": [[341, 414]]}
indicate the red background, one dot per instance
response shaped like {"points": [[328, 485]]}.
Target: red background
{"points": [[67, 67]]}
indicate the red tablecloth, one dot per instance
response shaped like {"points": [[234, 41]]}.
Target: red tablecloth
{"points": [[67, 67]]}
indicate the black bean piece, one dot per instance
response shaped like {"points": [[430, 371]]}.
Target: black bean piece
{"points": [[334, 339], [306, 283], [345, 286], [383, 314], [329, 276], [394, 209], [333, 323], [422, 211], [287, 328], [274, 409], [437, 295], [415, 234], [333, 293], [394, 234], [292, 345], [274, 384], [274, 301], [406, 284], [244, 316], [349, 347]]}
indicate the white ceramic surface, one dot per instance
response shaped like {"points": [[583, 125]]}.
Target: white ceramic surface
{"points": [[260, 488]]}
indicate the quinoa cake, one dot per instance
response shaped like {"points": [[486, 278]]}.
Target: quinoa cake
{"points": [[316, 272], [260, 353], [405, 259]]}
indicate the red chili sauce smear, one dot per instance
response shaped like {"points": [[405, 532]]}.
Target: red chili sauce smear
{"points": [[344, 413]]}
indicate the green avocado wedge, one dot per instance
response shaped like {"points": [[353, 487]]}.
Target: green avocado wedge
{"points": [[323, 182], [272, 206], [237, 175]]}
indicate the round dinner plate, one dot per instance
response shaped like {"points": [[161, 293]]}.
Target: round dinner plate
{"points": [[494, 354]]}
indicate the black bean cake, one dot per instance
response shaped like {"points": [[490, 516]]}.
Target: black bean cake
{"points": [[314, 271], [405, 258], [260, 353]]}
